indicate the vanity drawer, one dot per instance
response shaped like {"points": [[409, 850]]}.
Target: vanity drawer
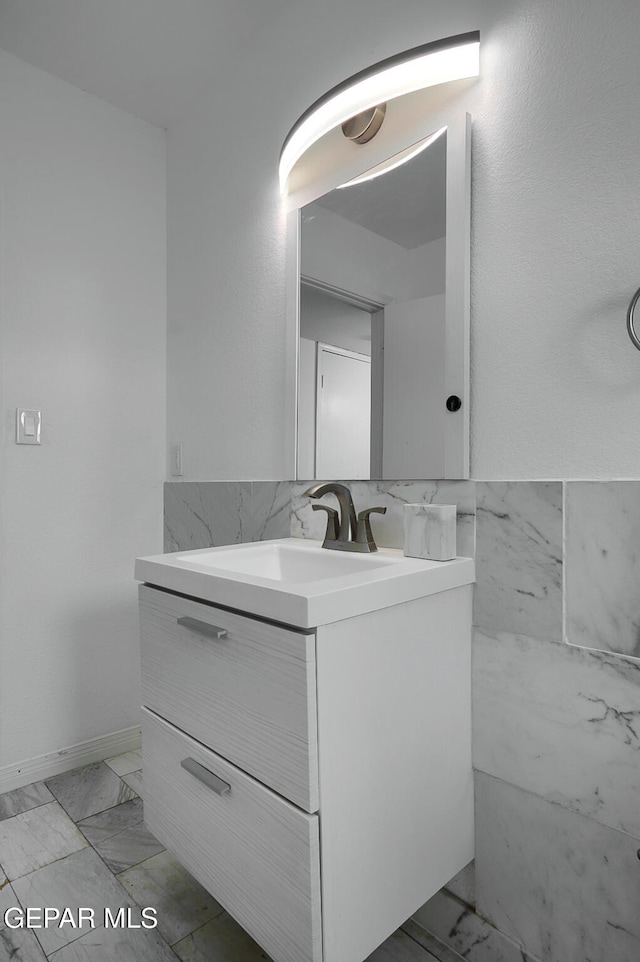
{"points": [[253, 851], [250, 695]]}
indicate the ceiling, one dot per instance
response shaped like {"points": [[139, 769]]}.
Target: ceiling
{"points": [[149, 57], [407, 205]]}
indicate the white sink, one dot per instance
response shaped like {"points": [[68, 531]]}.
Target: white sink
{"points": [[299, 582], [287, 561]]}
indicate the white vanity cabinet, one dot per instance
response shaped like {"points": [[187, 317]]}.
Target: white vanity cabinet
{"points": [[316, 781]]}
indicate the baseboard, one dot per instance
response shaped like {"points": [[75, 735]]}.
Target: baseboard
{"points": [[54, 763]]}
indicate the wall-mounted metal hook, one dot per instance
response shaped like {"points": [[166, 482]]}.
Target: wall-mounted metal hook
{"points": [[630, 325]]}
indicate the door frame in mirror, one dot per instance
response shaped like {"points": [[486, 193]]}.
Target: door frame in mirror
{"points": [[457, 308]]}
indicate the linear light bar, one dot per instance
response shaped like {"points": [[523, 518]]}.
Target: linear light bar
{"points": [[453, 58]]}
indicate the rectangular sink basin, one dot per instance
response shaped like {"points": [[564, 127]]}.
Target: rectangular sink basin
{"points": [[288, 563], [300, 583]]}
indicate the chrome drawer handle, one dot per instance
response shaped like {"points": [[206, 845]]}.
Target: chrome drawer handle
{"points": [[203, 628], [205, 776]]}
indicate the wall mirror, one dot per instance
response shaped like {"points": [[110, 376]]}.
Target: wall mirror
{"points": [[382, 319]]}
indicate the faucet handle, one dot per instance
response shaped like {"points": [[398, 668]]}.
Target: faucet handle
{"points": [[333, 525], [364, 534]]}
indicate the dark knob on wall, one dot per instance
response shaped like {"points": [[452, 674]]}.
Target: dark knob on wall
{"points": [[453, 403]]}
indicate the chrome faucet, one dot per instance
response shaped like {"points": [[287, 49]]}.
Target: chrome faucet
{"points": [[348, 533]]}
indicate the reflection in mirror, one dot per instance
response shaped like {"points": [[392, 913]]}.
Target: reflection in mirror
{"points": [[374, 372]]}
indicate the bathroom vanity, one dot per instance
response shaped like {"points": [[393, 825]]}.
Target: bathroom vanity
{"points": [[306, 735]]}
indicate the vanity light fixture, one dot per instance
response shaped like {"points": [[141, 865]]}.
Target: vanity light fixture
{"points": [[453, 58], [396, 161]]}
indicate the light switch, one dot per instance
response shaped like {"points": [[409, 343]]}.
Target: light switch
{"points": [[28, 425]]}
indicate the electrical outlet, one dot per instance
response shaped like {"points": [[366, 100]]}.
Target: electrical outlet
{"points": [[176, 459]]}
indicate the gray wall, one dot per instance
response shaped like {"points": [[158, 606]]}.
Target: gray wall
{"points": [[83, 328]]}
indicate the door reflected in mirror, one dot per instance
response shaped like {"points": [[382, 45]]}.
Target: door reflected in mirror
{"points": [[383, 322]]}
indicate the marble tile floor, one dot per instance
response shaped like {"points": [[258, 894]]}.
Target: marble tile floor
{"points": [[79, 840]]}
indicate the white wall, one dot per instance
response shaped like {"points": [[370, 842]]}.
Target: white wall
{"points": [[352, 258], [556, 208], [83, 338]]}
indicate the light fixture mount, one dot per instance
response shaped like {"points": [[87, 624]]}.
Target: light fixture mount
{"points": [[364, 126], [440, 61]]}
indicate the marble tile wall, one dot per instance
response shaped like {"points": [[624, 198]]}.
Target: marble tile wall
{"points": [[562, 885], [603, 565], [556, 728], [519, 557], [199, 514], [562, 722]]}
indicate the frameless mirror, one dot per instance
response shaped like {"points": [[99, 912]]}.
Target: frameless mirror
{"points": [[383, 320]]}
